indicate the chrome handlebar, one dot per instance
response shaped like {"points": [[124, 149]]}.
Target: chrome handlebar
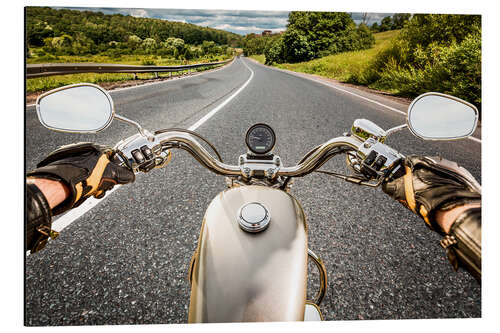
{"points": [[316, 159], [187, 142], [158, 155]]}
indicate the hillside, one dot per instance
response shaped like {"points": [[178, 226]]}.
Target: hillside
{"points": [[96, 28]]}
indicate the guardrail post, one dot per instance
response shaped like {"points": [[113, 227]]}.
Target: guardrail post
{"points": [[156, 74], [135, 76], [170, 74]]}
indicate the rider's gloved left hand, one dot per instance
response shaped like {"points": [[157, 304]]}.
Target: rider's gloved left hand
{"points": [[87, 170]]}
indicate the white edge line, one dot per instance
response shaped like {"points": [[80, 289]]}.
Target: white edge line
{"points": [[474, 139], [164, 81], [66, 219], [346, 91]]}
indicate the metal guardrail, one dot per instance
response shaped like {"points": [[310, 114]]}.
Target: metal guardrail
{"points": [[40, 70]]}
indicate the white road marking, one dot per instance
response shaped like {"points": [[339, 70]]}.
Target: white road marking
{"points": [[474, 139], [66, 219], [346, 91], [220, 106], [165, 81]]}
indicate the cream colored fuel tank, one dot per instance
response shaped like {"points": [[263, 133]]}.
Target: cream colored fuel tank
{"points": [[242, 277]]}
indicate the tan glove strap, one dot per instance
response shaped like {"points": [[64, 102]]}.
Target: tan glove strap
{"points": [[409, 194]]}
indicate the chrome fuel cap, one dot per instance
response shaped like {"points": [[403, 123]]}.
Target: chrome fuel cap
{"points": [[253, 217]]}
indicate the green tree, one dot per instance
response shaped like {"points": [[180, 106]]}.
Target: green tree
{"points": [[296, 48], [37, 32], [386, 24], [208, 47], [399, 20], [134, 41], [323, 30], [274, 51], [188, 54], [364, 37], [149, 45]]}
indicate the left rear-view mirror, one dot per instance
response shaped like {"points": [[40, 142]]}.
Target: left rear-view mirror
{"points": [[78, 108]]}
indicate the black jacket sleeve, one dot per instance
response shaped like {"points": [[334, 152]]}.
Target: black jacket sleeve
{"points": [[38, 219], [463, 244]]}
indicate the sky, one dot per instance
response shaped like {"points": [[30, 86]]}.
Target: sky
{"points": [[238, 21]]}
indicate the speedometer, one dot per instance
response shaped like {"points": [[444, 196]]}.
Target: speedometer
{"points": [[260, 139]]}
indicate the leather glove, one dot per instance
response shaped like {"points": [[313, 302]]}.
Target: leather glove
{"points": [[87, 169], [431, 184]]}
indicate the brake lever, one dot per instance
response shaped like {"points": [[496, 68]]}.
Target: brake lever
{"points": [[352, 179]]}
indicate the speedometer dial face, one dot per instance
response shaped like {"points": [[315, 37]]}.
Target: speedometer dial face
{"points": [[260, 138]]}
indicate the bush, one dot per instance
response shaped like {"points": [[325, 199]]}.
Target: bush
{"points": [[311, 35], [274, 52], [432, 53], [296, 48]]}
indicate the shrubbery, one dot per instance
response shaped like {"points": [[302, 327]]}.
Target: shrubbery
{"points": [[311, 35], [432, 53]]}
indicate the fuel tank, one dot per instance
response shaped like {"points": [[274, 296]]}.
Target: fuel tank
{"points": [[237, 276]]}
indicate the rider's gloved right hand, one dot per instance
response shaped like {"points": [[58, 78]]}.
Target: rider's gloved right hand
{"points": [[432, 184], [87, 170]]}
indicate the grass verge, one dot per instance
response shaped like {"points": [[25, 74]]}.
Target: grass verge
{"points": [[343, 66]]}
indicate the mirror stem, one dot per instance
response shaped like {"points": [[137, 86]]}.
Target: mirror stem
{"points": [[144, 132], [395, 129]]}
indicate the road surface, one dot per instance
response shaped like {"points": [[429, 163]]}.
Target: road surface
{"points": [[125, 261]]}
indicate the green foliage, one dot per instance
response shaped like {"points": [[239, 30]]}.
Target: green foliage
{"points": [[323, 30], [73, 32], [73, 36], [296, 47], [208, 47], [385, 24], [397, 21], [341, 66], [37, 31], [317, 34], [134, 41], [274, 53], [443, 29], [148, 62], [254, 44], [432, 53]]}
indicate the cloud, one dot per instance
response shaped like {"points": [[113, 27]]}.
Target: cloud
{"points": [[139, 13], [370, 17], [238, 21]]}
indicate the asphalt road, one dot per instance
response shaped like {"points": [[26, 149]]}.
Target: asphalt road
{"points": [[126, 260]]}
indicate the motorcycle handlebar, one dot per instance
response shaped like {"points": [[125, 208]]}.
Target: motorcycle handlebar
{"points": [[324, 152]]}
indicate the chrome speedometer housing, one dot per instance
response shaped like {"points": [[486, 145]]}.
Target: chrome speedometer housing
{"points": [[260, 139]]}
